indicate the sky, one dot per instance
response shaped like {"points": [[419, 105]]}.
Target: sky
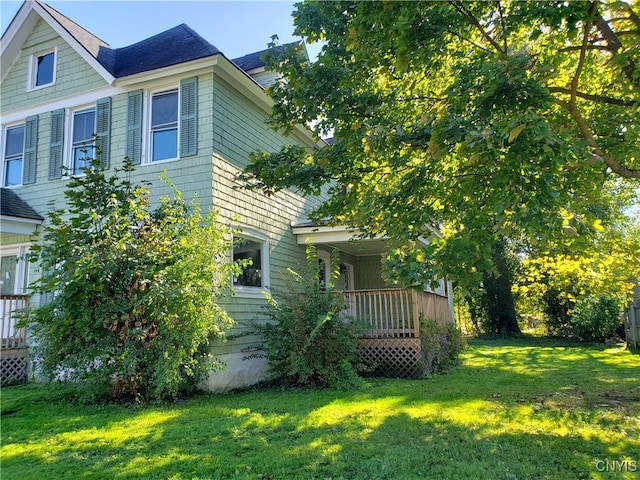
{"points": [[234, 27]]}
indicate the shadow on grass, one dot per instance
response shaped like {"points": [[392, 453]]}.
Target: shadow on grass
{"points": [[512, 410]]}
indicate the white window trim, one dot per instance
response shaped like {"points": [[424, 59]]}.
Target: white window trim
{"points": [[265, 252], [349, 284], [326, 256], [68, 136], [33, 66], [441, 290], [22, 271], [3, 143], [146, 133]]}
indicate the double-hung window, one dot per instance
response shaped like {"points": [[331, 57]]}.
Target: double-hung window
{"points": [[82, 133], [78, 136], [13, 154], [164, 125]]}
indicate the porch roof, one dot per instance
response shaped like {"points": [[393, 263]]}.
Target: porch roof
{"points": [[340, 237], [343, 238], [16, 215]]}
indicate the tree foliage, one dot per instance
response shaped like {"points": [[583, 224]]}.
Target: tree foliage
{"points": [[131, 290], [561, 275], [493, 120]]}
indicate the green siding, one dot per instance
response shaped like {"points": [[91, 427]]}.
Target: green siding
{"points": [[73, 74], [368, 273], [8, 239], [229, 128]]}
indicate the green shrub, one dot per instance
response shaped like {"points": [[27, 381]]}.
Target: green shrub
{"points": [[308, 339], [132, 291], [557, 313], [596, 318], [441, 345]]}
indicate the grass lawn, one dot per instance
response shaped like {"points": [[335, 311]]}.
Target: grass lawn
{"points": [[514, 409]]}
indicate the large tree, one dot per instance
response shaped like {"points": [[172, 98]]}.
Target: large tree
{"points": [[490, 119]]}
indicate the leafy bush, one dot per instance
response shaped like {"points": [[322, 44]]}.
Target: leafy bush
{"points": [[131, 291], [441, 345], [596, 318], [309, 341], [557, 308]]}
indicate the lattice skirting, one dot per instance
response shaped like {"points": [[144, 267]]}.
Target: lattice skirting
{"points": [[13, 366], [393, 357]]}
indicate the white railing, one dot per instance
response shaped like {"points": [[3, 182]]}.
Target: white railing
{"points": [[11, 307], [394, 312]]}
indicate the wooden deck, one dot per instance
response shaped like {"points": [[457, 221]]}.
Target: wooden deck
{"points": [[396, 313], [392, 346], [13, 348]]}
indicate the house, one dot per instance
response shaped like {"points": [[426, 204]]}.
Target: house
{"points": [[171, 103]]}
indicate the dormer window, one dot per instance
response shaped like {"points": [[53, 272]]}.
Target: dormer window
{"points": [[43, 69]]}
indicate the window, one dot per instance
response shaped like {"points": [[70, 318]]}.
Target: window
{"points": [[324, 269], [13, 153], [440, 289], [78, 136], [82, 141], [255, 251], [164, 125], [43, 69], [14, 270]]}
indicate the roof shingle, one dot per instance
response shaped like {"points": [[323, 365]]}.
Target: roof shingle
{"points": [[254, 60], [11, 205]]}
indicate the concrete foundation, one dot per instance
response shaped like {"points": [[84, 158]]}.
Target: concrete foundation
{"points": [[239, 372]]}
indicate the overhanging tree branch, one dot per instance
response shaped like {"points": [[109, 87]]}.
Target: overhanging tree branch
{"points": [[460, 8], [596, 98], [583, 50], [614, 165]]}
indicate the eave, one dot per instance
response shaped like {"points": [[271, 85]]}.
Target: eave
{"points": [[18, 225]]}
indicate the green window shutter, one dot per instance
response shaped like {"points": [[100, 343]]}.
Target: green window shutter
{"points": [[30, 149], [56, 144], [134, 127], [189, 117], [103, 130]]}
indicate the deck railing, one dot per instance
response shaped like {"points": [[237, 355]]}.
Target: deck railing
{"points": [[11, 307], [396, 313]]}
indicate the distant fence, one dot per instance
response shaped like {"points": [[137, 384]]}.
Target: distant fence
{"points": [[632, 321]]}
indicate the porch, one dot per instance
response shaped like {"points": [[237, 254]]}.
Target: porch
{"points": [[13, 348], [396, 313], [392, 346]]}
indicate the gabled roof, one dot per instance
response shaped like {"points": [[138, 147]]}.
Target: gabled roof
{"points": [[172, 47], [175, 46], [11, 205], [88, 40], [254, 60]]}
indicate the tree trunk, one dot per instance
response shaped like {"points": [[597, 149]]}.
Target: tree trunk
{"points": [[500, 304]]}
